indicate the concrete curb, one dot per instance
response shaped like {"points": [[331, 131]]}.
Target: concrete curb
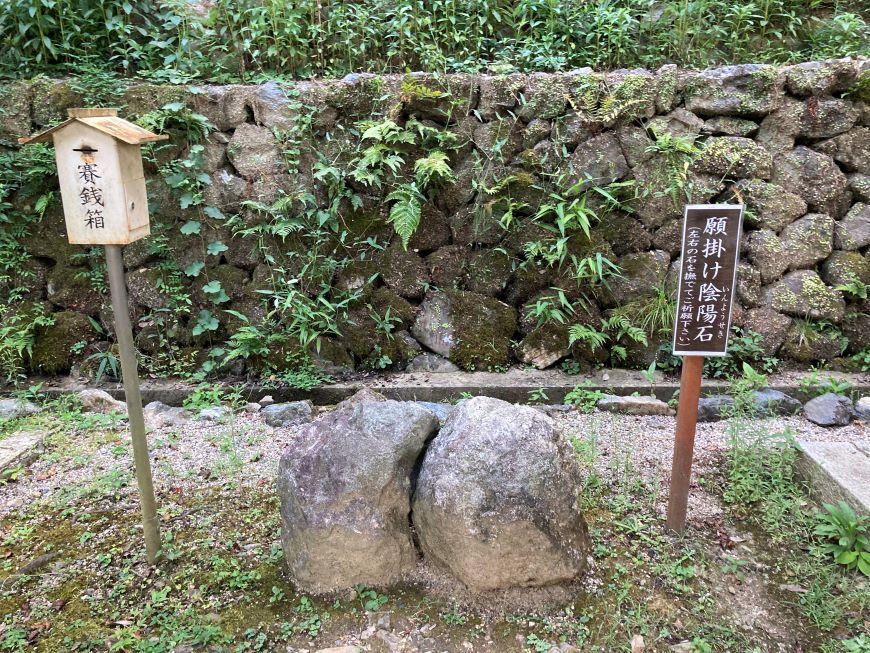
{"points": [[837, 471], [19, 450]]}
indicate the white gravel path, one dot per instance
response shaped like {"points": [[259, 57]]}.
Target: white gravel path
{"points": [[245, 451]]}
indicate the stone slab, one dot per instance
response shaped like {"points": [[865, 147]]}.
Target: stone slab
{"points": [[19, 449], [838, 471]]}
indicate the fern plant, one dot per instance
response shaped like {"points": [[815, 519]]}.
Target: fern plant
{"points": [[405, 212]]}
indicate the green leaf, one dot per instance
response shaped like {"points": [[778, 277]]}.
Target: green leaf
{"points": [[864, 564], [205, 321], [190, 227], [847, 557], [216, 247], [405, 213], [188, 199], [214, 212], [194, 269]]}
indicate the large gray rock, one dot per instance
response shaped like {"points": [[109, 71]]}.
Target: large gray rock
{"points": [[851, 150], [495, 519], [12, 408], [772, 206], [158, 415], [748, 90], [853, 231], [253, 151], [94, 400], [774, 402], [829, 410], [471, 330], [803, 294], [862, 409], [734, 157], [630, 405], [814, 177], [598, 161], [808, 240], [715, 407], [288, 414], [345, 485]]}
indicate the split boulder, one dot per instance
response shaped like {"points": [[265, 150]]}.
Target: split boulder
{"points": [[494, 519], [344, 485]]}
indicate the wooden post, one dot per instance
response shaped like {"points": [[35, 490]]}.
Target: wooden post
{"points": [[684, 444], [124, 333]]}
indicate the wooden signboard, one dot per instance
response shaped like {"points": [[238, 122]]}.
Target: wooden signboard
{"points": [[102, 184], [711, 248]]}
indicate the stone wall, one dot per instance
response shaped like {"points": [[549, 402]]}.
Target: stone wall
{"points": [[296, 195]]}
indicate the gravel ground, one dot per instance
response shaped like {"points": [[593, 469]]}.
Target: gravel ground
{"points": [[243, 449]]}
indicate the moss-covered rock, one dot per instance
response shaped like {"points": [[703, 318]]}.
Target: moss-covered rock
{"points": [[499, 94], [814, 177], [803, 294], [598, 161], [846, 267], [851, 150], [52, 353], [853, 231], [471, 330], [747, 90], [403, 271], [734, 157], [488, 272], [73, 290], [806, 342], [625, 233], [820, 78], [546, 96], [544, 346], [640, 274], [15, 98], [51, 98], [727, 126], [768, 206], [808, 240], [772, 327]]}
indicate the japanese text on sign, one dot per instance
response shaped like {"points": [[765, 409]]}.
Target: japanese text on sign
{"points": [[711, 244], [90, 191]]}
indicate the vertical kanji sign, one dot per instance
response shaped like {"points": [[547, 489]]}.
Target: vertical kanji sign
{"points": [[708, 271], [102, 185], [711, 247]]}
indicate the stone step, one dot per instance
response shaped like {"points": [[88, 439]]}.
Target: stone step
{"points": [[838, 471]]}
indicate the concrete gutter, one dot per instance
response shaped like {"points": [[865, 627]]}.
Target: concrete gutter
{"points": [[515, 385]]}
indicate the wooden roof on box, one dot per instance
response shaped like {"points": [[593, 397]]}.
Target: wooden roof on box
{"points": [[104, 120]]}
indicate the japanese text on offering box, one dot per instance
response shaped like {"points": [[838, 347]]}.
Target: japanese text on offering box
{"points": [[711, 248]]}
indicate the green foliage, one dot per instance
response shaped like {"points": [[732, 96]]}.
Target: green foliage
{"points": [[405, 211], [616, 330], [813, 385], [845, 536], [172, 41], [743, 347], [583, 397], [17, 337]]}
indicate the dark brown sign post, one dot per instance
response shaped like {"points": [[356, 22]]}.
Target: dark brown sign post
{"points": [[711, 249]]}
